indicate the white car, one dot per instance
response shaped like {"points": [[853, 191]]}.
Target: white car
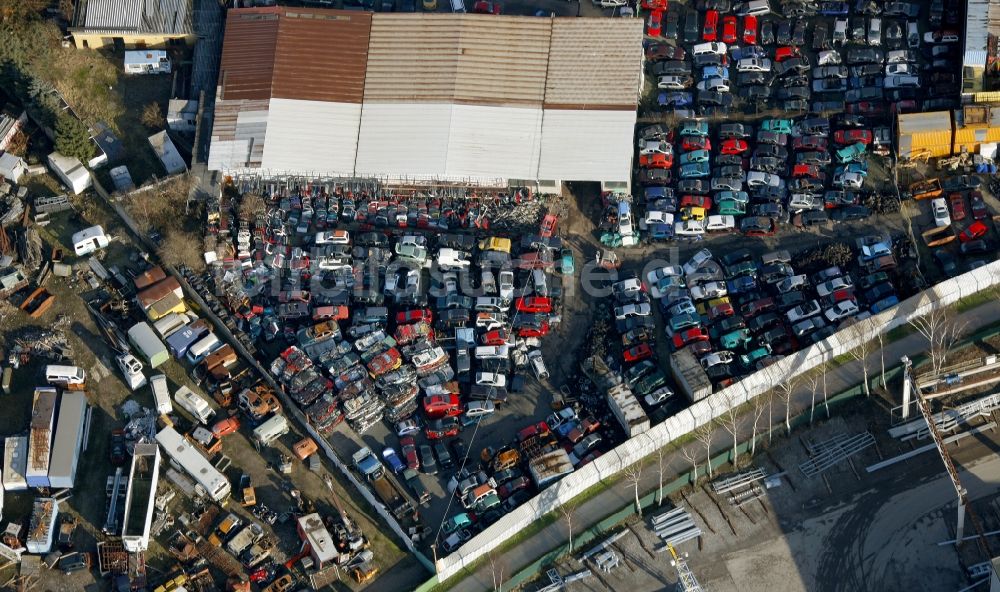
{"points": [[538, 364], [626, 287], [720, 223], [829, 287], [848, 180], [843, 309], [829, 57], [941, 37], [899, 69], [715, 358], [803, 201], [657, 217], [655, 147], [714, 84], [939, 209], [132, 369], [333, 237], [610, 3], [791, 283], [641, 309], [706, 48], [709, 290], [689, 228], [808, 326], [654, 276], [804, 311], [902, 81], [658, 396], [479, 408], [506, 282], [673, 82], [491, 379], [407, 427], [697, 260], [759, 179], [753, 65]]}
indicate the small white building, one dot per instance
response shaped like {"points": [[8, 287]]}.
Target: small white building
{"points": [[314, 534], [164, 148], [147, 61], [89, 240], [70, 171], [182, 115], [12, 167]]}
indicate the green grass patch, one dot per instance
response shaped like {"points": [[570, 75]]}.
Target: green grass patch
{"points": [[899, 333], [976, 300]]}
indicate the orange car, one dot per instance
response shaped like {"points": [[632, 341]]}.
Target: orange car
{"points": [[225, 427]]}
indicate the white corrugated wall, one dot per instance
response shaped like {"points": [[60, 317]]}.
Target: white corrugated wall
{"points": [[312, 136], [489, 142], [580, 145], [401, 139]]}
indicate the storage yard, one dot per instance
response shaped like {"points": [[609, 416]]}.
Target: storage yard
{"points": [[475, 258]]}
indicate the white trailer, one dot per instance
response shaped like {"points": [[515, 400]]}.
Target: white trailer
{"points": [[161, 394], [140, 498], [43, 413], [187, 458], [15, 463], [42, 526], [69, 439], [270, 430], [194, 404], [147, 61]]}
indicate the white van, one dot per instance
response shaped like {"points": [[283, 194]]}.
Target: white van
{"points": [[161, 394], [754, 7], [709, 48], [491, 304], [65, 376], [458, 6], [89, 240], [540, 282], [453, 260], [205, 346], [194, 404], [270, 430], [170, 323], [487, 352]]}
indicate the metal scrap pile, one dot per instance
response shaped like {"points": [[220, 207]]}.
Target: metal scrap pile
{"points": [[12, 208], [29, 247], [44, 343]]}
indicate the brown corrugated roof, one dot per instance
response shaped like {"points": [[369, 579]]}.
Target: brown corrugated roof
{"points": [[594, 63], [247, 65], [321, 55]]}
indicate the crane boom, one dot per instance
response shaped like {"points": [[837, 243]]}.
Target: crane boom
{"points": [[686, 582]]}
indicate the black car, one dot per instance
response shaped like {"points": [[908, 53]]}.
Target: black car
{"points": [[377, 239], [748, 78], [849, 213], [764, 321], [656, 131], [460, 451], [775, 335], [649, 177], [790, 300], [733, 257], [427, 462], [767, 164], [794, 92], [811, 218], [692, 30], [795, 10], [785, 33], [879, 292], [719, 5], [767, 32], [771, 150], [671, 68], [813, 157], [907, 9], [756, 92], [735, 160], [443, 455], [118, 453], [720, 372], [734, 130], [865, 56], [708, 59], [975, 247], [821, 37], [693, 186]]}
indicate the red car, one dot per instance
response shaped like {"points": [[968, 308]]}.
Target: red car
{"points": [[639, 352], [809, 143], [975, 230], [786, 53], [513, 486], [414, 316], [536, 429], [548, 227], [495, 337], [696, 201], [408, 447], [654, 5], [720, 310], [977, 205], [437, 406], [534, 304], [690, 143], [957, 207], [656, 161], [854, 136], [486, 7], [807, 170], [225, 427], [445, 427], [711, 30], [654, 26], [729, 29], [865, 108], [750, 29], [687, 336], [733, 146]]}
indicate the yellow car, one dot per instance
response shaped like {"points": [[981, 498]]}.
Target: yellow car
{"points": [[430, 5], [693, 213], [495, 244]]}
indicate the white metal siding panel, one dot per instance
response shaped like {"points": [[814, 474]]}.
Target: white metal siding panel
{"points": [[311, 136], [404, 139], [225, 155], [586, 145], [494, 142]]}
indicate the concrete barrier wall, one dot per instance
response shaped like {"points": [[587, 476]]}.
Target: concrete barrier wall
{"points": [[635, 449]]}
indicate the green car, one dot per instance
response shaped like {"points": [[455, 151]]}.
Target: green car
{"points": [[778, 126], [456, 522], [751, 358], [693, 127], [684, 321], [735, 339], [730, 207], [742, 268], [651, 382], [567, 263], [694, 156], [852, 153], [737, 196]]}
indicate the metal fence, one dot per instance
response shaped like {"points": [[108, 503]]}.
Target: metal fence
{"points": [[635, 449]]}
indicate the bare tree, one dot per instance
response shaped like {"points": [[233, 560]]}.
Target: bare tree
{"points": [[690, 454], [496, 570], [785, 390], [633, 474], [941, 330], [812, 380], [759, 405], [704, 435], [823, 370], [861, 332], [881, 355], [731, 421], [661, 469], [568, 511]]}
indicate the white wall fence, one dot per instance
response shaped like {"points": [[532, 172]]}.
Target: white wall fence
{"points": [[712, 407]]}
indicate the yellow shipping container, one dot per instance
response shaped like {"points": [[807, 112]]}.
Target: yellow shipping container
{"points": [[975, 125], [924, 133], [166, 305]]}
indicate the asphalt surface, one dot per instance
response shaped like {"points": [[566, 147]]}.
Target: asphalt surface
{"points": [[609, 500]]}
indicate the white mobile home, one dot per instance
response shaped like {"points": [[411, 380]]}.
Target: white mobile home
{"points": [[89, 240], [15, 463], [139, 500], [70, 171], [147, 61], [69, 439], [270, 430], [195, 404], [186, 457]]}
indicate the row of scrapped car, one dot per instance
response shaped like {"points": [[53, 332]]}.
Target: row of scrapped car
{"points": [[864, 56], [784, 178], [737, 313]]}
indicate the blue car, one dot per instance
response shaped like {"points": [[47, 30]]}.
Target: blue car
{"points": [[391, 458], [661, 232], [715, 72], [667, 100], [741, 284], [860, 168], [885, 303], [833, 8], [695, 170]]}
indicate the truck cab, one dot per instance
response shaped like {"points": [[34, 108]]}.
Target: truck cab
{"points": [[368, 464]]}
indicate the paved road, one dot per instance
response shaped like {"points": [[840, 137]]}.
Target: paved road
{"points": [[601, 505]]}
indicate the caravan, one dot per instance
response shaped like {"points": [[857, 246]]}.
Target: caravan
{"points": [[161, 394], [68, 377], [200, 350], [194, 404], [270, 430], [89, 240]]}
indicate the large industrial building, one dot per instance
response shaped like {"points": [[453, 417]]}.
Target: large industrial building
{"points": [[479, 99]]}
